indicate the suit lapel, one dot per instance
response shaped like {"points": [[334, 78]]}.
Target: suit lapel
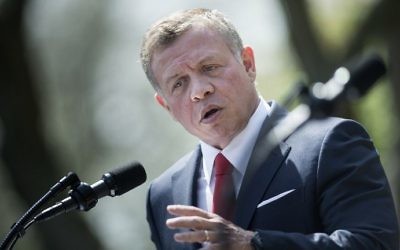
{"points": [[264, 162], [184, 188]]}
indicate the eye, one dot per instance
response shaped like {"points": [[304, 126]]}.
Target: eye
{"points": [[208, 68], [178, 84]]}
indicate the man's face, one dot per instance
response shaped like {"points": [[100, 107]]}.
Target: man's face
{"points": [[205, 87]]}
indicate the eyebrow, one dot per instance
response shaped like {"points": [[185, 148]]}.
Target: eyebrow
{"points": [[206, 59], [170, 78]]}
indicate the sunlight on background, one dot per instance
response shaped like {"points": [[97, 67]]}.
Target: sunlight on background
{"points": [[334, 22]]}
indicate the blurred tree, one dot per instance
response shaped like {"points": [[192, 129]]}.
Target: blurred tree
{"points": [[380, 26], [24, 151]]}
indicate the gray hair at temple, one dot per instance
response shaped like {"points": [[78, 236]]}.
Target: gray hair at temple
{"points": [[167, 30]]}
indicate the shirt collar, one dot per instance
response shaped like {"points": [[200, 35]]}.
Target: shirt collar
{"points": [[239, 149]]}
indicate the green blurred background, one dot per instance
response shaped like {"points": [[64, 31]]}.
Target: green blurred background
{"points": [[73, 96]]}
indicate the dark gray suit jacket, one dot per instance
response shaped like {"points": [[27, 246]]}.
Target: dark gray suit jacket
{"points": [[339, 196]]}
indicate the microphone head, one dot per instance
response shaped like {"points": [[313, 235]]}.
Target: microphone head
{"points": [[123, 179], [364, 73]]}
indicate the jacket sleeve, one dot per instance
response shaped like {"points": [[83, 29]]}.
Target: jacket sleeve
{"points": [[355, 203]]}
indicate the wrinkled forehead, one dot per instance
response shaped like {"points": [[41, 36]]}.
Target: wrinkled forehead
{"points": [[200, 28], [191, 47]]}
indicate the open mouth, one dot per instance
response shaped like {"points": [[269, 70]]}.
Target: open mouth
{"points": [[210, 113]]}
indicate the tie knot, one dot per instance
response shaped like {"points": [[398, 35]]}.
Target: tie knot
{"points": [[222, 165]]}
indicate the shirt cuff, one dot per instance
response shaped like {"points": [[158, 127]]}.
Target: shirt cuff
{"points": [[256, 242]]}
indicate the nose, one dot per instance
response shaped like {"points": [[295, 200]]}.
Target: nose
{"points": [[200, 90]]}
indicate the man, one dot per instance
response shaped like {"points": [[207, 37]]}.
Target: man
{"points": [[322, 187]]}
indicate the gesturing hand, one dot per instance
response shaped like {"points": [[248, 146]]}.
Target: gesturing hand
{"points": [[208, 228]]}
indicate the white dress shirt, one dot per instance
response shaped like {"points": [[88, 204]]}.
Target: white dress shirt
{"points": [[237, 152]]}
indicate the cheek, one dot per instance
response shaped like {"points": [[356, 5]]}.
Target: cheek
{"points": [[236, 73], [237, 83], [181, 112]]}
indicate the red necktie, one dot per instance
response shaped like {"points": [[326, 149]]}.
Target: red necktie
{"points": [[224, 198]]}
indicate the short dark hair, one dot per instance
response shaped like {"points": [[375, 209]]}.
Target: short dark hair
{"points": [[164, 32]]}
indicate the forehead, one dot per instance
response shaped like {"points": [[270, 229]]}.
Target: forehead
{"points": [[195, 45]]}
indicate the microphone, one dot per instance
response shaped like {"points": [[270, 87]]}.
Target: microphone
{"points": [[349, 82], [365, 73], [84, 196]]}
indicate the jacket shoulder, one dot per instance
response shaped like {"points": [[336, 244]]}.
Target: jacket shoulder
{"points": [[163, 182]]}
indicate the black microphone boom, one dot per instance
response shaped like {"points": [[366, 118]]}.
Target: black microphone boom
{"points": [[85, 197]]}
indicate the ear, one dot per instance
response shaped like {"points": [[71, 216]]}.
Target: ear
{"points": [[249, 62], [161, 101]]}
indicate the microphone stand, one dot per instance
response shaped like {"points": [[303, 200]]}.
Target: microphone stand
{"points": [[18, 229], [82, 196]]}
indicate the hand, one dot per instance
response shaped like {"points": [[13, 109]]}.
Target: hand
{"points": [[208, 228]]}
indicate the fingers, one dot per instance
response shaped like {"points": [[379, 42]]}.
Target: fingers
{"points": [[188, 217], [204, 227], [190, 222], [182, 210], [199, 236], [193, 218]]}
